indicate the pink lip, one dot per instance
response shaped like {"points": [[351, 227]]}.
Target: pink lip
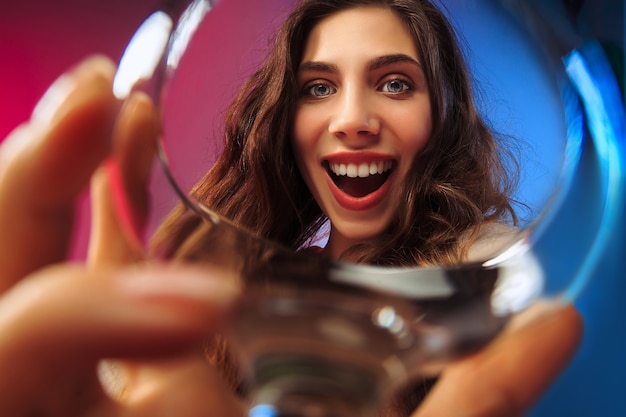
{"points": [[358, 203]]}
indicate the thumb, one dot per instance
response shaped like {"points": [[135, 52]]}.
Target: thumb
{"points": [[119, 188]]}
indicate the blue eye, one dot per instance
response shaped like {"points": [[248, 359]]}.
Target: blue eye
{"points": [[320, 90], [395, 86]]}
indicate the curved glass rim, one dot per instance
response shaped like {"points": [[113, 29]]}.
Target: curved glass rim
{"points": [[582, 72]]}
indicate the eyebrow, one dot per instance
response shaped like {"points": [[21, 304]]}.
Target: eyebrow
{"points": [[374, 64], [391, 59]]}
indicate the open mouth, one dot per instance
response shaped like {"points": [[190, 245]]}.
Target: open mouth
{"points": [[359, 179]]}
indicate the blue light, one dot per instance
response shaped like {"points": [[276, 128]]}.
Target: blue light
{"points": [[262, 410], [597, 87]]}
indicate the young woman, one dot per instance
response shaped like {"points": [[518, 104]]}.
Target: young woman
{"points": [[325, 98], [58, 320], [362, 116]]}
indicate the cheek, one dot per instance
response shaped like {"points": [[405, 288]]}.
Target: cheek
{"points": [[303, 140], [306, 132], [420, 138], [414, 132], [299, 132]]}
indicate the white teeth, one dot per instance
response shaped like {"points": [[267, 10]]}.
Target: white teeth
{"points": [[362, 170]]}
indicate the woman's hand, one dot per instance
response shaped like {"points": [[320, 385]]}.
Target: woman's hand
{"points": [[507, 377], [59, 320]]}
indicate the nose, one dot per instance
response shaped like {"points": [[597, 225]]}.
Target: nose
{"points": [[354, 119]]}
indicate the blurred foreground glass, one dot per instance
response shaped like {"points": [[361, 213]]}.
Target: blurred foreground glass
{"points": [[322, 338]]}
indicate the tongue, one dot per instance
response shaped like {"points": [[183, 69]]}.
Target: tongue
{"points": [[360, 187]]}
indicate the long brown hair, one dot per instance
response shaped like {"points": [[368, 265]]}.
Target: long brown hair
{"points": [[458, 182]]}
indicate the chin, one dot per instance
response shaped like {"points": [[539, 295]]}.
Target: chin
{"points": [[358, 232]]}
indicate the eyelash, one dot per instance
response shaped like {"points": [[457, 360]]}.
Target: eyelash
{"points": [[309, 88], [407, 87]]}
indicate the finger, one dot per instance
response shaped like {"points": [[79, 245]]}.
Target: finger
{"points": [[56, 324], [119, 189], [184, 387], [47, 162], [507, 377]]}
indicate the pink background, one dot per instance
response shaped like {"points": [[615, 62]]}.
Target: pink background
{"points": [[39, 39]]}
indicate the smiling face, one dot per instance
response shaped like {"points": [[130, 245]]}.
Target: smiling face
{"points": [[363, 115]]}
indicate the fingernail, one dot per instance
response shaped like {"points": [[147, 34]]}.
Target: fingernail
{"points": [[190, 283], [53, 98], [50, 104]]}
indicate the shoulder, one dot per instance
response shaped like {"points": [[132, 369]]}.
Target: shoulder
{"points": [[489, 240]]}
